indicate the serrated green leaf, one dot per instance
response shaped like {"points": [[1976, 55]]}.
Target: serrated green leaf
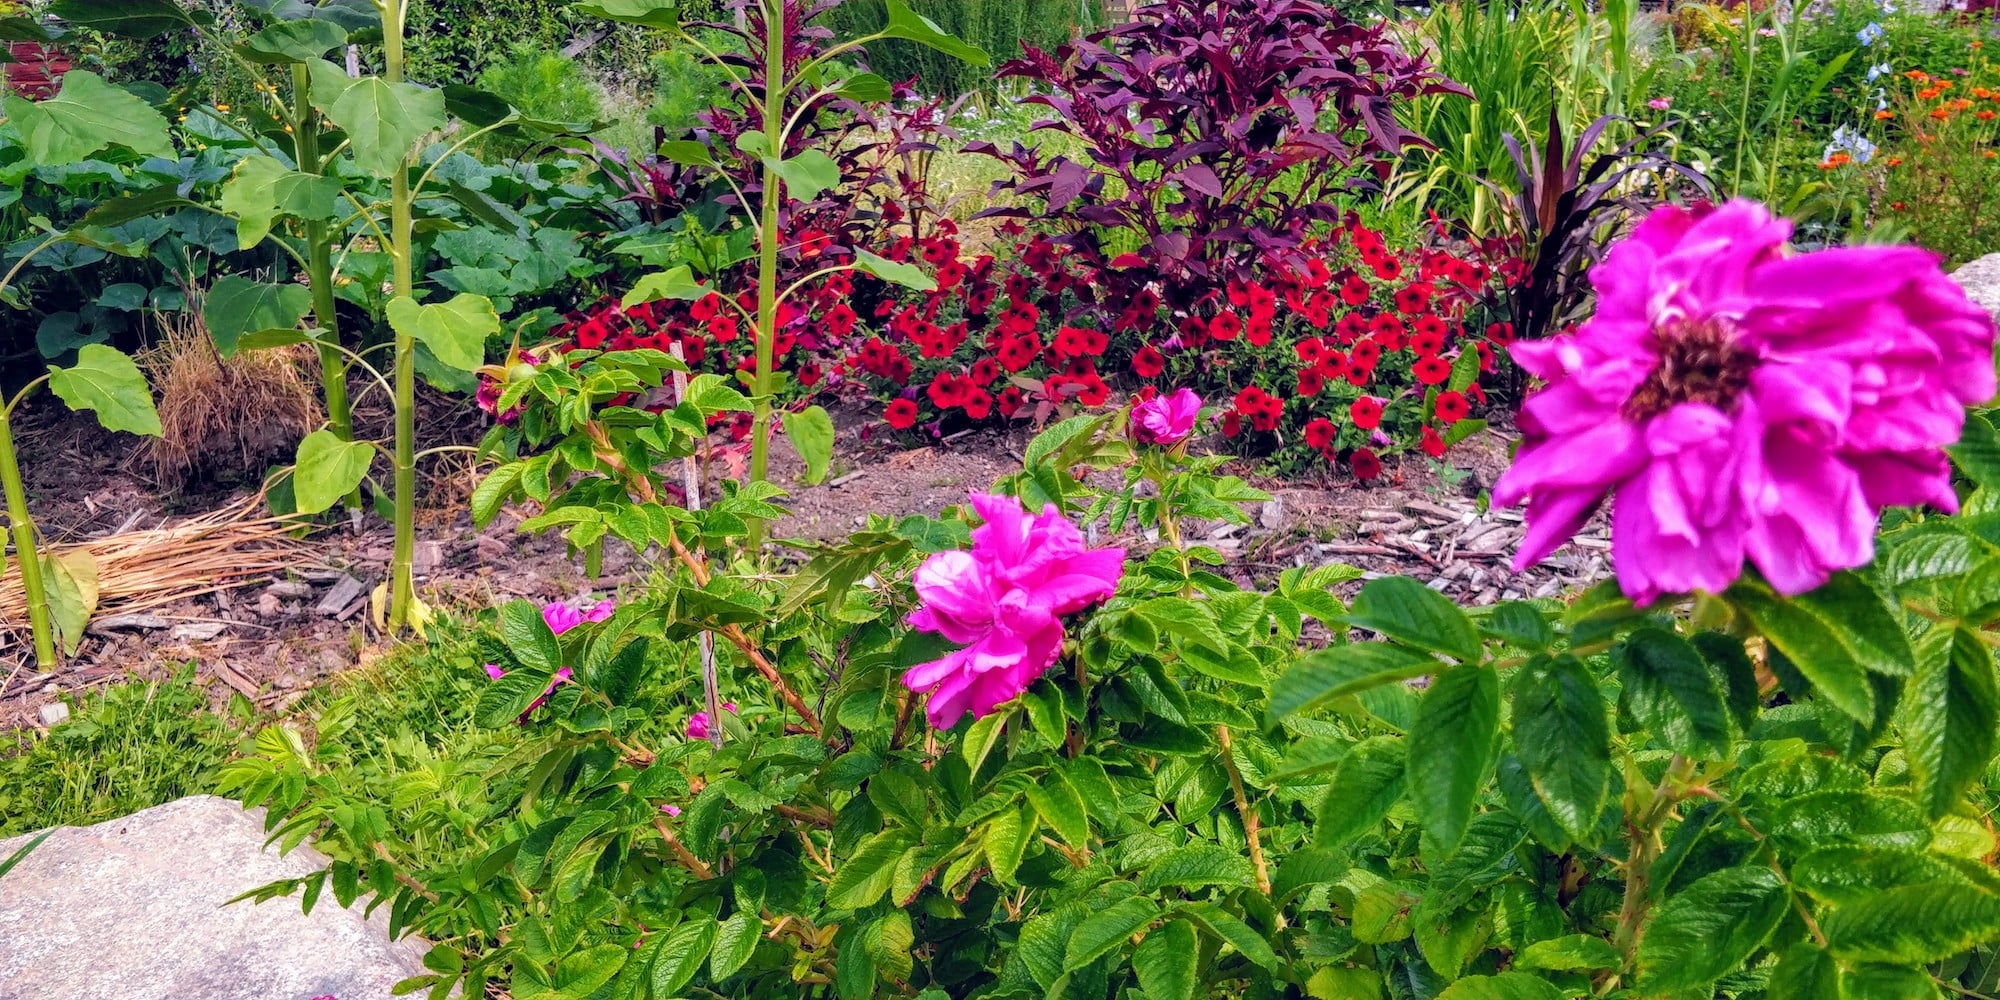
{"points": [[1451, 749], [1196, 866], [1107, 929], [1950, 717], [580, 974], [1505, 986], [1409, 612], [1674, 693], [1337, 671], [382, 120], [1166, 961], [262, 189], [1813, 649], [1563, 737], [1913, 924], [1710, 928], [863, 878], [1059, 805], [528, 636], [293, 41], [680, 954], [1367, 783], [735, 941], [1573, 953]]}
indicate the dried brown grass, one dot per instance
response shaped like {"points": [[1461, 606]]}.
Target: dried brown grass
{"points": [[220, 415], [154, 567]]}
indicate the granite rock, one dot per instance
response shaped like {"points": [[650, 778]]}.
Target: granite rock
{"points": [[1981, 280], [134, 909]]}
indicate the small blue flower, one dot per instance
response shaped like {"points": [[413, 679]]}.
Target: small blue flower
{"points": [[1878, 71], [1870, 34]]}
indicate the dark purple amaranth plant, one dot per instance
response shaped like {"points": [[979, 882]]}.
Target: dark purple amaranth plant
{"points": [[1228, 126]]}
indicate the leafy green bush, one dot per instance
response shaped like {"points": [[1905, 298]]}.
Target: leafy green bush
{"points": [[542, 85], [1001, 27]]}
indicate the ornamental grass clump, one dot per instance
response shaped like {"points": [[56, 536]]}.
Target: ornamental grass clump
{"points": [[1744, 402]]}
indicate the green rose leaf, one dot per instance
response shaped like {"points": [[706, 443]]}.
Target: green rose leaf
{"points": [[454, 330], [735, 941], [1335, 672], [264, 189], [580, 974], [1574, 953], [1165, 961], [1913, 924], [1367, 783], [1451, 748], [528, 635], [293, 41], [86, 116], [1409, 612], [1950, 717], [1505, 986], [108, 382], [382, 120], [1106, 929], [329, 469], [1059, 805], [1977, 453], [1672, 691], [679, 955], [1563, 738], [1813, 648], [811, 433], [1710, 928], [908, 24], [865, 876], [237, 307]]}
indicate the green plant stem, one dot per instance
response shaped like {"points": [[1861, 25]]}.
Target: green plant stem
{"points": [[319, 275], [24, 545], [1644, 831], [402, 589], [767, 255]]}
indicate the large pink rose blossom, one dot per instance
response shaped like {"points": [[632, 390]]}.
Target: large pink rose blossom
{"points": [[1746, 402], [1004, 600], [1168, 419]]}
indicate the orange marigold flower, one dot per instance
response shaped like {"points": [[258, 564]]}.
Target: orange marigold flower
{"points": [[1991, 154], [1884, 115], [1985, 116], [1895, 161], [1929, 92], [1941, 114], [1917, 74], [1897, 206]]}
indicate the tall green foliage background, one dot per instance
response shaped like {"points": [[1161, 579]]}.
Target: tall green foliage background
{"points": [[998, 26]]}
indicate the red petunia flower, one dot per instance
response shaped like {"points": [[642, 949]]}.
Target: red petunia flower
{"points": [[1225, 326], [1366, 413], [1431, 371], [1319, 432], [946, 391], [1011, 400], [1413, 299], [1453, 407], [1433, 442], [901, 414], [1365, 464], [978, 403], [1148, 363]]}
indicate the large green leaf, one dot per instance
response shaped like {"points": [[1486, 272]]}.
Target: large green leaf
{"points": [[811, 433], [328, 469], [1367, 783], [382, 120], [1166, 960], [1911, 924], [1977, 453], [908, 24], [1814, 649], [1710, 928], [1451, 748], [528, 636], [69, 582], [1950, 717], [680, 954], [664, 14], [673, 283], [1106, 929], [864, 877], [1804, 972], [1673, 692], [293, 41], [237, 307], [1408, 611], [1564, 740], [105, 380], [1859, 616], [127, 18], [1505, 986], [1059, 805], [1335, 672], [264, 189], [735, 941], [581, 973], [896, 272], [807, 175], [86, 116], [454, 330]]}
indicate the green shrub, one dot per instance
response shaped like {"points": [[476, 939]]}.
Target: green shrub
{"points": [[542, 85], [1000, 27], [685, 84]]}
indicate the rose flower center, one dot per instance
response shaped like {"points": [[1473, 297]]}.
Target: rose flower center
{"points": [[1700, 362]]}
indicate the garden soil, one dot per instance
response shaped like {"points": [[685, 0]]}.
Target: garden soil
{"points": [[271, 638]]}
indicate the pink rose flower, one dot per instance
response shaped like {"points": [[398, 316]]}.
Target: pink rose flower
{"points": [[1745, 402], [563, 616], [1660, 103], [1168, 419], [1004, 600], [699, 722]]}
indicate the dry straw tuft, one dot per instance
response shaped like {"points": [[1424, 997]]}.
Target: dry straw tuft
{"points": [[218, 414]]}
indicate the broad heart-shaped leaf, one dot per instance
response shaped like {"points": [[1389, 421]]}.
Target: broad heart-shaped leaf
{"points": [[328, 469], [1451, 748], [264, 189], [650, 13], [528, 636], [1166, 961], [1366, 785], [293, 41], [105, 380], [1671, 690], [1711, 927], [69, 581], [673, 283], [237, 307], [1338, 671], [807, 175], [1564, 740], [382, 120], [454, 330], [86, 116], [811, 433], [1914, 924], [1106, 929], [127, 18], [906, 275], [866, 88], [1408, 611], [1950, 717], [908, 24]]}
